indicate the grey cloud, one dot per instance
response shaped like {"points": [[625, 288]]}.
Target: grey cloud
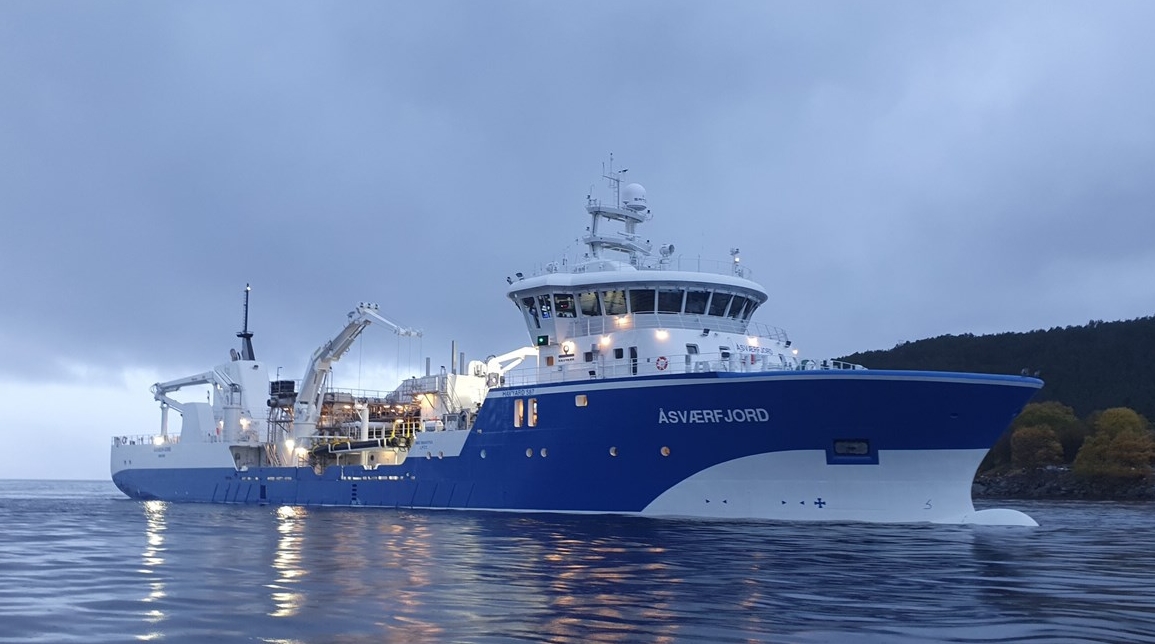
{"points": [[891, 173]]}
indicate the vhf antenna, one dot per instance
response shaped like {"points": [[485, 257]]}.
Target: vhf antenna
{"points": [[615, 180]]}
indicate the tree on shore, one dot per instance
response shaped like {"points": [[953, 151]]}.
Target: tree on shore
{"points": [[1069, 430], [1059, 418], [1121, 447], [1035, 446]]}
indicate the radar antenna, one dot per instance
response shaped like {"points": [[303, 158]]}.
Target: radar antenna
{"points": [[245, 335]]}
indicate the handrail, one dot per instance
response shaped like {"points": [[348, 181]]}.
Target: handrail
{"points": [[674, 363], [650, 263], [605, 324], [145, 439]]}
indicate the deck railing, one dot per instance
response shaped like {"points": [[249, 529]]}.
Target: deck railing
{"points": [[601, 369], [651, 263], [606, 324]]}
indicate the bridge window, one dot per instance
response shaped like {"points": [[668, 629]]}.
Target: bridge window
{"points": [[589, 304], [564, 304], [735, 306], [531, 309], [546, 306], [670, 300], [642, 300], [518, 412], [619, 353], [750, 308], [696, 301], [718, 304], [614, 302]]}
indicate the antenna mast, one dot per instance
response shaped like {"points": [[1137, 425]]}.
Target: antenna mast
{"points": [[246, 336], [615, 180]]}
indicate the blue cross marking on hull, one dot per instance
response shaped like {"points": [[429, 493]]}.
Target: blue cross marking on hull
{"points": [[820, 503]]}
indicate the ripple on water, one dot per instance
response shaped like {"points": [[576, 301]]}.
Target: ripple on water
{"points": [[82, 565]]}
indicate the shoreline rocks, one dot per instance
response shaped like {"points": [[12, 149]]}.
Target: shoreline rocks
{"points": [[1058, 483]]}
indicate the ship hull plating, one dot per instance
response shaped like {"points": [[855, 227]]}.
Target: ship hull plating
{"points": [[802, 445]]}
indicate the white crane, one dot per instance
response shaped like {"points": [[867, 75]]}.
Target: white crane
{"points": [[307, 409]]}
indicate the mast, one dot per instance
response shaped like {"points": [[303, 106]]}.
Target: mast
{"points": [[631, 213], [245, 335]]}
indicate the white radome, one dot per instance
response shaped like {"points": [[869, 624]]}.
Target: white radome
{"points": [[634, 196]]}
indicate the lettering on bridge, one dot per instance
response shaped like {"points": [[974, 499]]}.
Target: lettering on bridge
{"points": [[750, 348]]}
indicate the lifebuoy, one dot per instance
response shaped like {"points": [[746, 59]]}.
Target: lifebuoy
{"points": [[661, 363]]}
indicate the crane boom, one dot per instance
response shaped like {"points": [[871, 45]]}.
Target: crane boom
{"points": [[307, 410], [161, 390]]}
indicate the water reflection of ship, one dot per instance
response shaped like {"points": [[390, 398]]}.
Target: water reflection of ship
{"points": [[287, 562], [152, 560]]}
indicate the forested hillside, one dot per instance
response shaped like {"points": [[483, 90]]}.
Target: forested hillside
{"points": [[1093, 367]]}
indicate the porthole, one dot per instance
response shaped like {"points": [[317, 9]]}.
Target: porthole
{"points": [[665, 451], [528, 452], [440, 454], [544, 452], [613, 451], [482, 453], [581, 400], [428, 456]]}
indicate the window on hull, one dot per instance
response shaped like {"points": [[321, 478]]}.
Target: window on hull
{"points": [[736, 306], [614, 302], [545, 306], [719, 303], [642, 300], [750, 308], [696, 302], [531, 310], [590, 304], [563, 302], [846, 447], [670, 300]]}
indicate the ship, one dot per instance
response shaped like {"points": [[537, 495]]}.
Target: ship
{"points": [[646, 388]]}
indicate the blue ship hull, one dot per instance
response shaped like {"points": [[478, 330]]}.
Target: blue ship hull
{"points": [[794, 444]]}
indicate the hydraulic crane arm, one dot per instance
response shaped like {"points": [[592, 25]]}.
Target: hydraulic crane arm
{"points": [[507, 361], [161, 390], [309, 399]]}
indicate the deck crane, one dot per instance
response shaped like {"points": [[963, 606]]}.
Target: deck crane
{"points": [[307, 409], [161, 390]]}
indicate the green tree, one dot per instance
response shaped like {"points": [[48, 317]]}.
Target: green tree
{"points": [[1122, 448], [1035, 446], [1059, 418], [1119, 420], [1070, 431]]}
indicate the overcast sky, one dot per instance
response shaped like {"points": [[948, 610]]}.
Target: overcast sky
{"points": [[891, 171]]}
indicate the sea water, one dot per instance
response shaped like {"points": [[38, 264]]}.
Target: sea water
{"points": [[81, 563]]}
